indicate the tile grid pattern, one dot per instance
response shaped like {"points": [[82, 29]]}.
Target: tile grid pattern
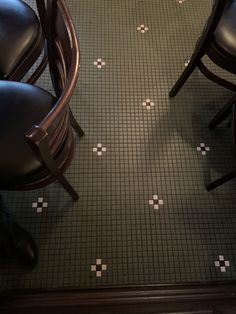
{"points": [[143, 216]]}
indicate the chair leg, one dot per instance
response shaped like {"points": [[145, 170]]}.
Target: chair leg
{"points": [[223, 113], [185, 75], [44, 151], [220, 181], [75, 125], [40, 69]]}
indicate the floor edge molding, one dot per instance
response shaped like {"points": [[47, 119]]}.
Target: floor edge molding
{"points": [[177, 299]]}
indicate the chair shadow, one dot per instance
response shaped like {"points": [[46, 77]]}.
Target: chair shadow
{"points": [[188, 117], [197, 117]]}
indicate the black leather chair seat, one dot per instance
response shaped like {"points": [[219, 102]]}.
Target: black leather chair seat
{"points": [[225, 33], [19, 31], [21, 106]]}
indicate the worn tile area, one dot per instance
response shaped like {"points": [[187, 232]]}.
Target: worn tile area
{"points": [[143, 216]]}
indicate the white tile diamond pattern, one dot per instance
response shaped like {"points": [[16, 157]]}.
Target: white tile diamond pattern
{"points": [[40, 205], [155, 202], [99, 149], [148, 104], [142, 28], [222, 263], [203, 148], [187, 62], [99, 268], [99, 63]]}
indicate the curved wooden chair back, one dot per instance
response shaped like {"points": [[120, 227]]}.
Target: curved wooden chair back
{"points": [[42, 14], [63, 57], [52, 137]]}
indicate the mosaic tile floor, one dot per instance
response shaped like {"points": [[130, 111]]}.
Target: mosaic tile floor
{"points": [[143, 216]]}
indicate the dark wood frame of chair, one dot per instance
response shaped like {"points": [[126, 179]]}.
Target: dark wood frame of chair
{"points": [[203, 48], [52, 139]]}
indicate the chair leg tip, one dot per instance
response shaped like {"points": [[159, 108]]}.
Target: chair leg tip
{"points": [[75, 197], [172, 94]]}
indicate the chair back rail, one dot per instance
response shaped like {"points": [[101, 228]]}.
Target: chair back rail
{"points": [[42, 14], [64, 57]]}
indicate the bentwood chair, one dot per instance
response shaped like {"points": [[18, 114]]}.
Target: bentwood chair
{"points": [[36, 138], [21, 39], [218, 42]]}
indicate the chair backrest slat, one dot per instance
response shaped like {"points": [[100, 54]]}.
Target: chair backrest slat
{"points": [[42, 14], [63, 56], [60, 47]]}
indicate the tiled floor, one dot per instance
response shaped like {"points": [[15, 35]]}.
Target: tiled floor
{"points": [[143, 216]]}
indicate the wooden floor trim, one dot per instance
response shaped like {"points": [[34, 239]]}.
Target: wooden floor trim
{"points": [[187, 299]]}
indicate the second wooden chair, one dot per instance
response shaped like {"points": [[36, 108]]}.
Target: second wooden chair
{"points": [[218, 42]]}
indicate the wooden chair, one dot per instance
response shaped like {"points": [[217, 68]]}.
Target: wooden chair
{"points": [[22, 41], [218, 42], [36, 138]]}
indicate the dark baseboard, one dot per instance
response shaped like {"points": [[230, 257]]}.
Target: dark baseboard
{"points": [[178, 299]]}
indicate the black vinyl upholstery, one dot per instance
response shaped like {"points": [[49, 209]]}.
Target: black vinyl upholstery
{"points": [[21, 106], [225, 34], [19, 30]]}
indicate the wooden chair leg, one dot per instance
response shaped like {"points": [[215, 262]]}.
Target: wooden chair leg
{"points": [[75, 125], [223, 113], [185, 75], [40, 69], [44, 151], [220, 181]]}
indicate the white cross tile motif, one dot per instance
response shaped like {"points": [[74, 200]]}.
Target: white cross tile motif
{"points": [[99, 63], [155, 202], [222, 263], [99, 149], [203, 148], [148, 104], [186, 63], [142, 28], [39, 205], [99, 268]]}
